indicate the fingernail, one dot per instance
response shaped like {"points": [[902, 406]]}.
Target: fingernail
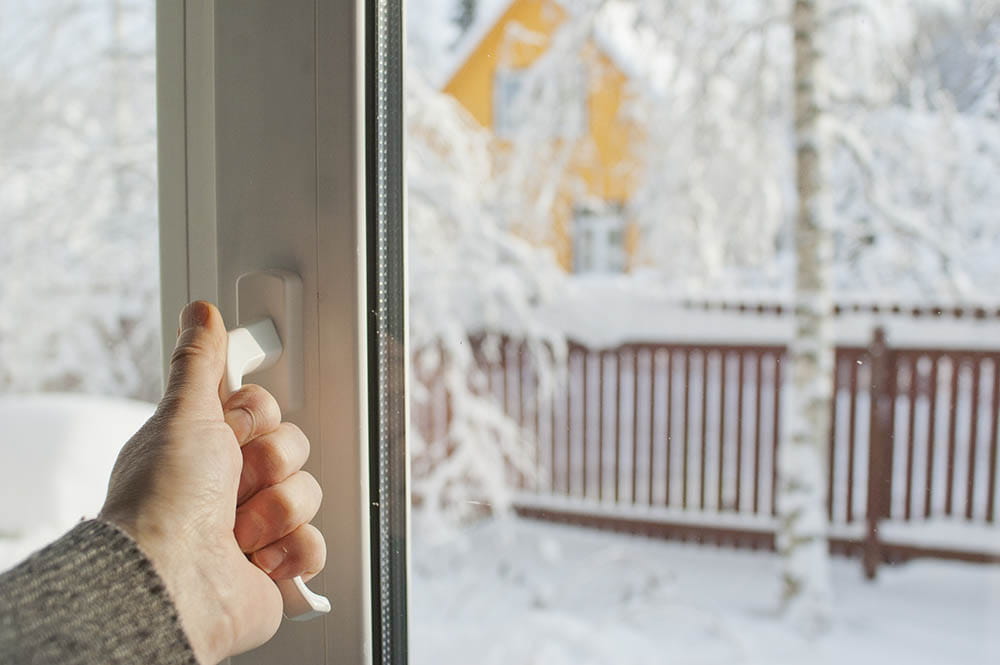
{"points": [[241, 422], [194, 314], [248, 530], [269, 558]]}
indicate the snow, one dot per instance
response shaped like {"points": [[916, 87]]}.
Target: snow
{"points": [[57, 453], [656, 514], [945, 533], [516, 592], [952, 534], [638, 309]]}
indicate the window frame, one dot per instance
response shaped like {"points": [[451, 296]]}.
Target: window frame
{"points": [[266, 161], [597, 226], [508, 108], [508, 83]]}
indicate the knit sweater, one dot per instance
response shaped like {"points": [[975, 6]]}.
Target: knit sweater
{"points": [[92, 597]]}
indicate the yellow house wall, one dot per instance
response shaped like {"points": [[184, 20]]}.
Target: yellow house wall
{"points": [[472, 83], [604, 158]]}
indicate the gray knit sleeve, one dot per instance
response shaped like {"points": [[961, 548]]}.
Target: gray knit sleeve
{"points": [[92, 597]]}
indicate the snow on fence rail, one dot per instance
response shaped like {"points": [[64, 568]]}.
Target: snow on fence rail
{"points": [[680, 440], [781, 307]]}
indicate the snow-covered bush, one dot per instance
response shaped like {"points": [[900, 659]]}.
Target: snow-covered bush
{"points": [[79, 305], [469, 277]]}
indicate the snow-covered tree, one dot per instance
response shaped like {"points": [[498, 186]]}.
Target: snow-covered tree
{"points": [[915, 144], [713, 197], [469, 280], [78, 263], [465, 13], [912, 103]]}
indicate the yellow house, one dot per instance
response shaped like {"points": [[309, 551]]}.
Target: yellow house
{"points": [[588, 230]]}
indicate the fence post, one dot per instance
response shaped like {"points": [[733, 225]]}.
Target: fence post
{"points": [[879, 441]]}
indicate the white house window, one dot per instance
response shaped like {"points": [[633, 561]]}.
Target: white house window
{"points": [[598, 243], [565, 112], [506, 89]]}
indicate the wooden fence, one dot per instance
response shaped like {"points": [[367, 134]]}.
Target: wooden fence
{"points": [[681, 440]]}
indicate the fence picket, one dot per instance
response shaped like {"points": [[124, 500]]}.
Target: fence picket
{"points": [[723, 362], [956, 367], [651, 471], [758, 392], [635, 422], [931, 436]]}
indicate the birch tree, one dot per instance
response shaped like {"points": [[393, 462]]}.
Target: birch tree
{"points": [[801, 537]]}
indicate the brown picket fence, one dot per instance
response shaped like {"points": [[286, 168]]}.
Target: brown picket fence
{"points": [[680, 441]]}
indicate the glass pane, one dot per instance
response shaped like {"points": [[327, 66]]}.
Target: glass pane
{"points": [[387, 364], [763, 426], [79, 284]]}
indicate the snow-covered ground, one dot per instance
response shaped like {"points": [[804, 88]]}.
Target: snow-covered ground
{"points": [[515, 592], [56, 453], [528, 593]]}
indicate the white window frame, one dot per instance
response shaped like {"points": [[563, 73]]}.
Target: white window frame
{"points": [[262, 164], [593, 252], [508, 82]]}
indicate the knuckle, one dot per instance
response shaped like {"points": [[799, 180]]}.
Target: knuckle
{"points": [[312, 486], [274, 461], [287, 508], [261, 401], [295, 433], [260, 407], [306, 551], [192, 344], [314, 558], [317, 540], [185, 351]]}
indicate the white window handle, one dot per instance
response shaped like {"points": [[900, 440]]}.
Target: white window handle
{"points": [[256, 347]]}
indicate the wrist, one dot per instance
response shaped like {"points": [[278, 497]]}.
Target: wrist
{"points": [[194, 591]]}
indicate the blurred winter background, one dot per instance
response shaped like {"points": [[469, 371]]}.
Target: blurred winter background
{"points": [[649, 240]]}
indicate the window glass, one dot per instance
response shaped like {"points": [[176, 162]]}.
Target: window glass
{"points": [[598, 243], [513, 93], [79, 283], [506, 91], [717, 380]]}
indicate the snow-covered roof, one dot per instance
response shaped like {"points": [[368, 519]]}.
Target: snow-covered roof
{"points": [[488, 12], [615, 34], [630, 48]]}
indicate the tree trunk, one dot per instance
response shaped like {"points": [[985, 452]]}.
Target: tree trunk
{"points": [[802, 537]]}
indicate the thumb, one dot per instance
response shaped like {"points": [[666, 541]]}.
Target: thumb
{"points": [[197, 363]]}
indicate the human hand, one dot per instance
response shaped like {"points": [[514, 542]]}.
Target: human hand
{"points": [[205, 483]]}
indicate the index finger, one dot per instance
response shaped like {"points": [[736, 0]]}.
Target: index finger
{"points": [[251, 411]]}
